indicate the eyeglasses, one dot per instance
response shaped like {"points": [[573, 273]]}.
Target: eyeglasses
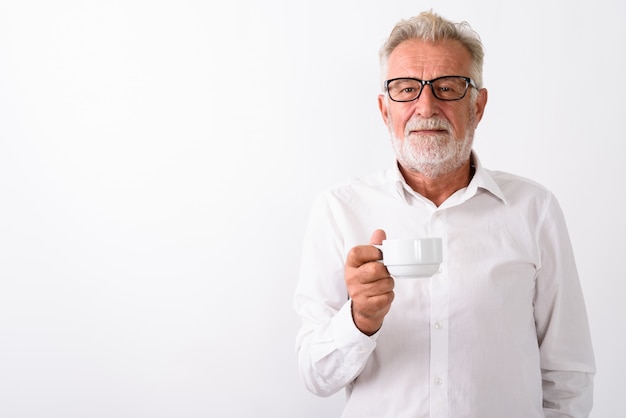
{"points": [[449, 87]]}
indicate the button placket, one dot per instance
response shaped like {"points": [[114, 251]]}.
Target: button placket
{"points": [[439, 311]]}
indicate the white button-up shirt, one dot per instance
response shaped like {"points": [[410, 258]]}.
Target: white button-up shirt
{"points": [[500, 331]]}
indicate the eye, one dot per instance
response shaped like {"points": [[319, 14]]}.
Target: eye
{"points": [[447, 87], [450, 88], [404, 88]]}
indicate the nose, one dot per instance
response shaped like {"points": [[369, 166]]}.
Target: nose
{"points": [[427, 105]]}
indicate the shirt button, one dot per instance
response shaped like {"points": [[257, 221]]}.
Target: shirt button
{"points": [[438, 381], [438, 325]]}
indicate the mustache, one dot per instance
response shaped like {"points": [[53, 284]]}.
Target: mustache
{"points": [[418, 124]]}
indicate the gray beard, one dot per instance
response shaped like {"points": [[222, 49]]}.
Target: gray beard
{"points": [[432, 156]]}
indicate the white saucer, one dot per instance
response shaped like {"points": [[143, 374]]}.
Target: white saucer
{"points": [[413, 270]]}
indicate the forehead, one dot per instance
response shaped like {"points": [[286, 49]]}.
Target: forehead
{"points": [[427, 60]]}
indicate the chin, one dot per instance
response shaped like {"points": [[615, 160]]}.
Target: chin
{"points": [[433, 169]]}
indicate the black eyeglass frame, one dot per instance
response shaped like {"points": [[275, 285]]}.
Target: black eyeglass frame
{"points": [[468, 82]]}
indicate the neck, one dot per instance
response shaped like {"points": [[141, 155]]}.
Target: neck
{"points": [[438, 189]]}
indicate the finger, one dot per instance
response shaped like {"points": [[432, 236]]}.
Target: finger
{"points": [[362, 254], [374, 300], [377, 287], [371, 272], [377, 237]]}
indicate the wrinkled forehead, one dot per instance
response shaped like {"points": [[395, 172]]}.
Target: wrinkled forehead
{"points": [[427, 60]]}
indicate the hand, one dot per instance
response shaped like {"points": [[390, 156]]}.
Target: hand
{"points": [[369, 285]]}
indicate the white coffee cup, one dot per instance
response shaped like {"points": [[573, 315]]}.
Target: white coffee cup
{"points": [[406, 258]]}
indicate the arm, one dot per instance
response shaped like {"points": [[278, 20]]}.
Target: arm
{"points": [[333, 353], [567, 360], [330, 297]]}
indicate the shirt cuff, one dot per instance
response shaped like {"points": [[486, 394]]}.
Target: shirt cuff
{"points": [[347, 334]]}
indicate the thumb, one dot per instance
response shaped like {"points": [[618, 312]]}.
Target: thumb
{"points": [[378, 236]]}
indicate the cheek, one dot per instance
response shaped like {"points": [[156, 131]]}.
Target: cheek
{"points": [[397, 129], [461, 123], [396, 124]]}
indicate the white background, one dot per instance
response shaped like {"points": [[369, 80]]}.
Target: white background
{"points": [[158, 160]]}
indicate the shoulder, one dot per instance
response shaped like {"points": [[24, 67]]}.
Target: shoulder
{"points": [[527, 196], [378, 182], [512, 184]]}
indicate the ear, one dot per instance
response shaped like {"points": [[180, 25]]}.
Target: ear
{"points": [[481, 102], [384, 110]]}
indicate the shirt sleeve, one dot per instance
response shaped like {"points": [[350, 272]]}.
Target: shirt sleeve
{"points": [[331, 350], [566, 353]]}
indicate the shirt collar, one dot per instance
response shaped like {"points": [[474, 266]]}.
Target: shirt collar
{"points": [[482, 180]]}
